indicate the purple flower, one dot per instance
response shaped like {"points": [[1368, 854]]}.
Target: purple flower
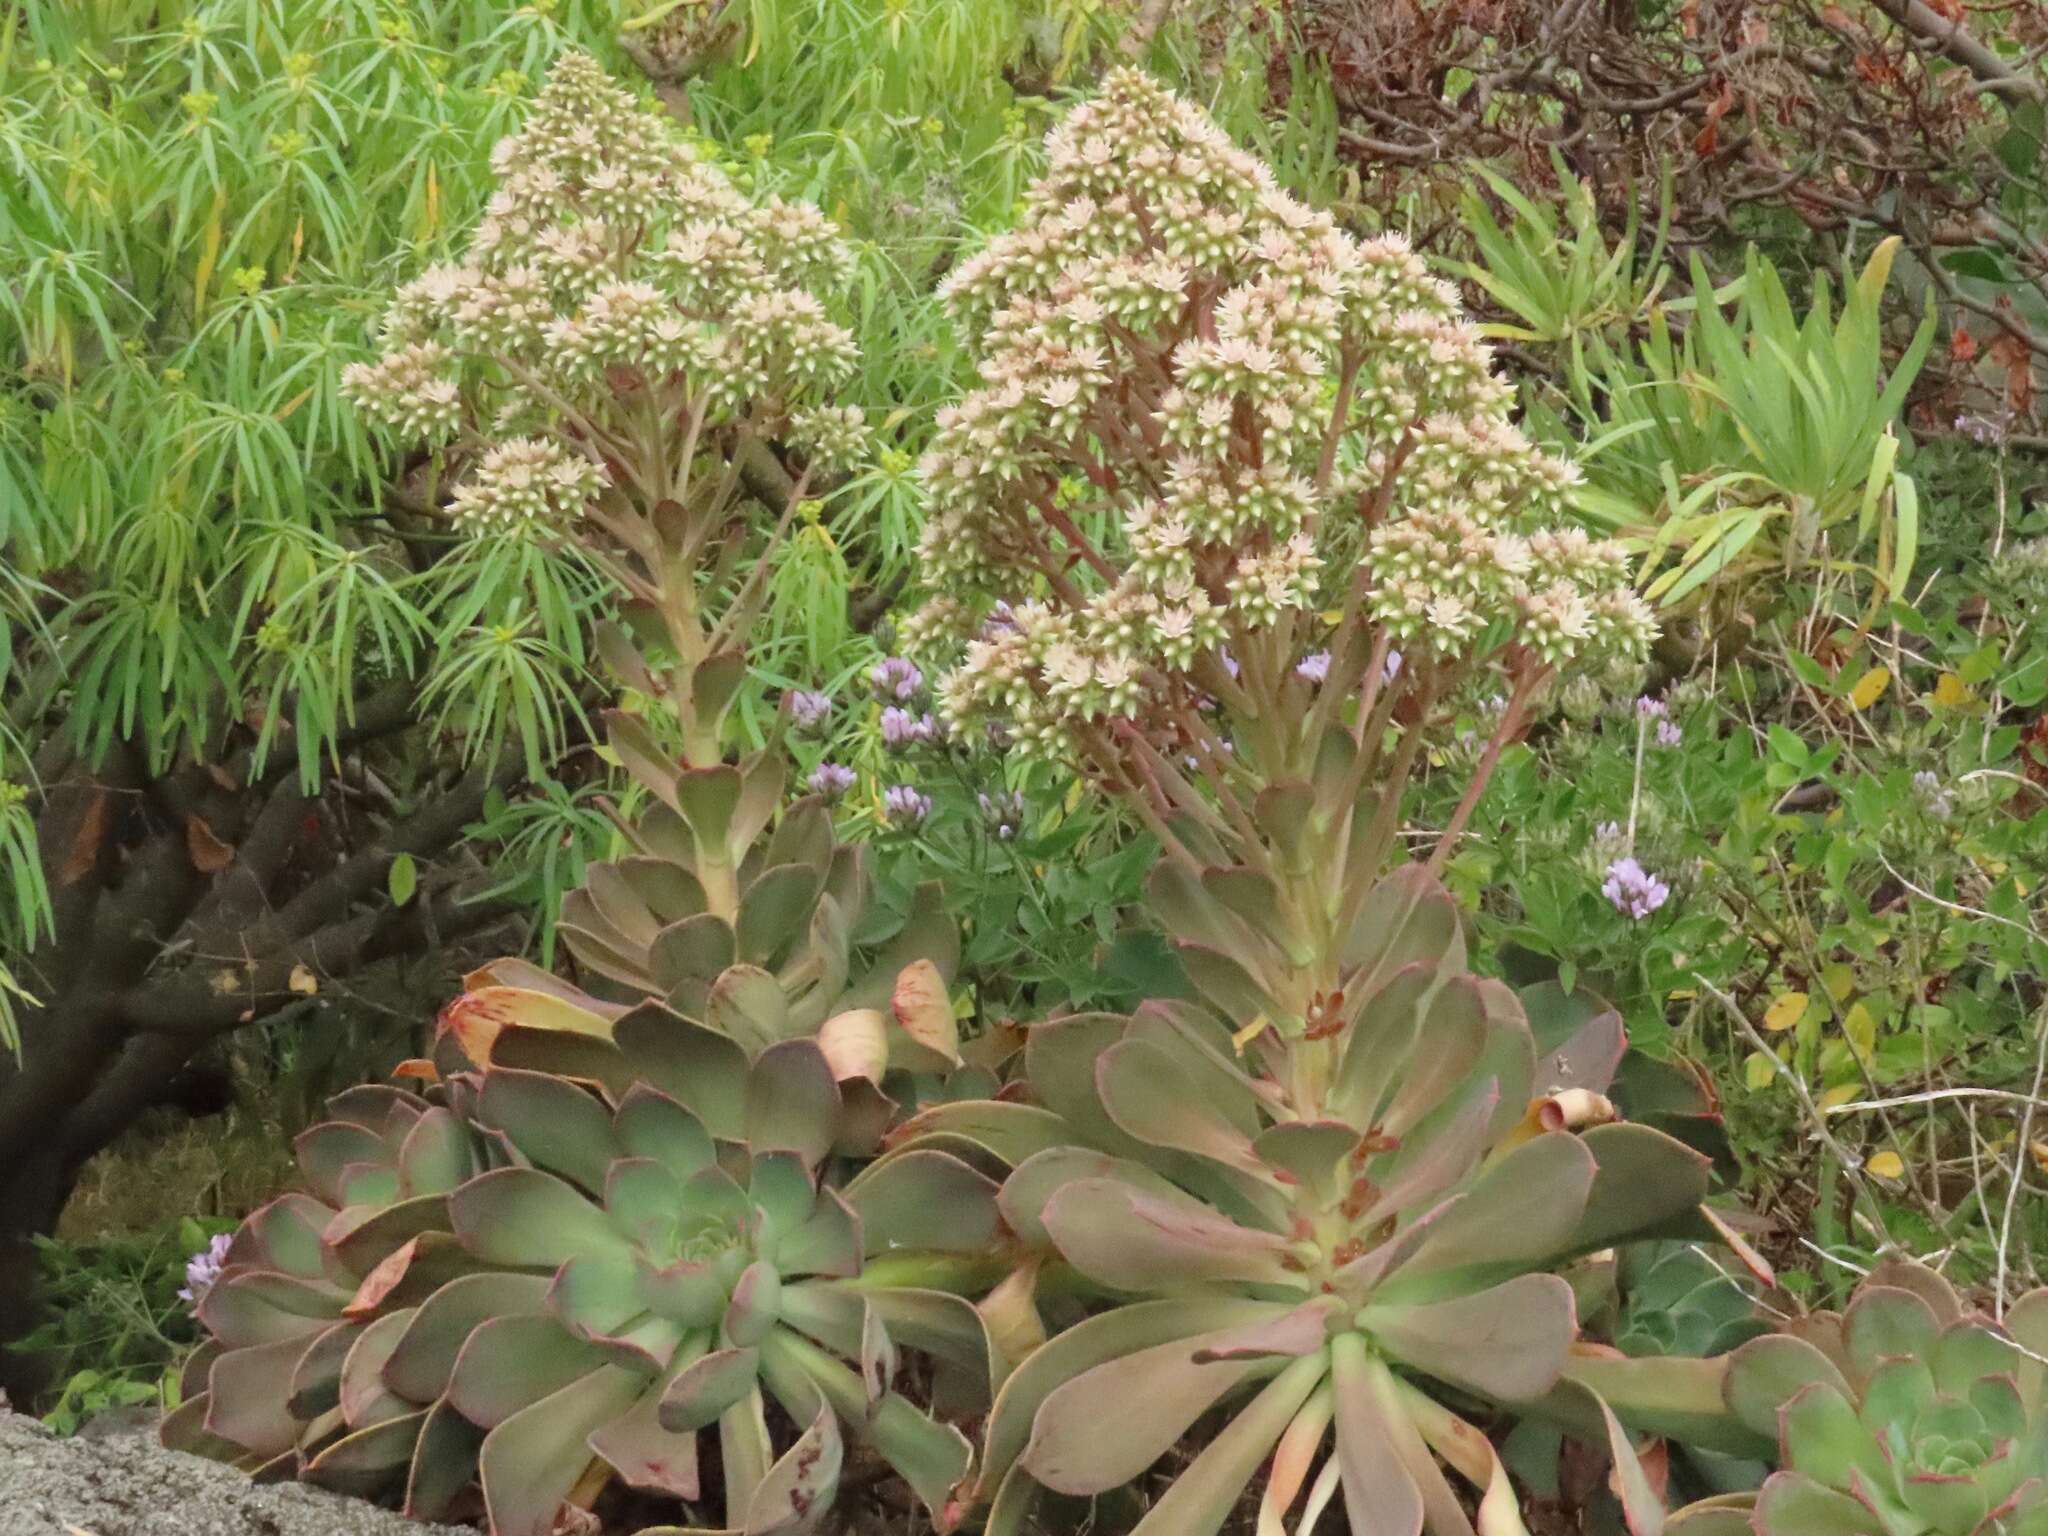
{"points": [[832, 780], [901, 729], [1391, 668], [896, 677], [808, 711], [1229, 662], [1001, 620], [1648, 708], [1669, 734], [1314, 668], [1988, 430], [1004, 812], [903, 806], [202, 1269], [1633, 890]]}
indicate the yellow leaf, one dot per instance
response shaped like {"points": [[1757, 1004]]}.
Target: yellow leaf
{"points": [[925, 1012], [2040, 1151], [1787, 1009], [1870, 687], [1886, 1165], [1249, 1033], [1840, 980], [1842, 1093], [1953, 693], [1859, 1027], [1757, 1071], [302, 981], [209, 253]]}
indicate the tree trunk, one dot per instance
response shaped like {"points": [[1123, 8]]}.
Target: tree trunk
{"points": [[187, 906], [32, 1195]]}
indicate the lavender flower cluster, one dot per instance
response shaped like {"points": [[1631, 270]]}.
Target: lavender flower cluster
{"points": [[1208, 376], [613, 260], [1634, 892]]}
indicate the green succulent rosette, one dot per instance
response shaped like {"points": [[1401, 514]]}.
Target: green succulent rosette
{"points": [[1335, 1237], [1906, 1414], [544, 1285]]}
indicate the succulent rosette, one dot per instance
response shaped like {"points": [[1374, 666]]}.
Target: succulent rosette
{"points": [[1906, 1414], [1334, 1232], [741, 912], [547, 1285]]}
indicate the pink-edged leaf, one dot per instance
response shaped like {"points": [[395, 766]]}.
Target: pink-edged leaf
{"points": [[529, 1219], [1641, 1504], [424, 1359], [1294, 1459], [443, 1464], [1134, 1241], [798, 1489], [1204, 1493], [1152, 1097], [707, 1387], [248, 1397], [365, 1399], [646, 1455], [926, 1199], [792, 1101], [284, 1236], [257, 1307], [1303, 1331], [1417, 1176], [533, 1460], [1380, 1495], [1086, 1440], [1522, 1209], [1091, 1343], [1792, 1504], [509, 1363], [1507, 1344]]}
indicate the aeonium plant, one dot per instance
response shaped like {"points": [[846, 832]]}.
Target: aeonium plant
{"points": [[1238, 523], [633, 358], [1906, 1414], [619, 1215], [538, 1287]]}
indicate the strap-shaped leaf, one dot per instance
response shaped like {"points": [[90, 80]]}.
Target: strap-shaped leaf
{"points": [[1508, 1344], [554, 1124], [792, 1101], [424, 1357], [1136, 1241], [531, 1462], [707, 1387], [529, 1219], [926, 1200], [507, 1364], [1202, 1496], [748, 1004], [775, 910]]}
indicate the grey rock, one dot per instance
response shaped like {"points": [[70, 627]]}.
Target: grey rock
{"points": [[128, 1485]]}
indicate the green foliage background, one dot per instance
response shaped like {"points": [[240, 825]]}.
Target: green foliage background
{"points": [[203, 202]]}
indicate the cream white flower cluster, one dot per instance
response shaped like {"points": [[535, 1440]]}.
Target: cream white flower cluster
{"points": [[614, 262], [1164, 344]]}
